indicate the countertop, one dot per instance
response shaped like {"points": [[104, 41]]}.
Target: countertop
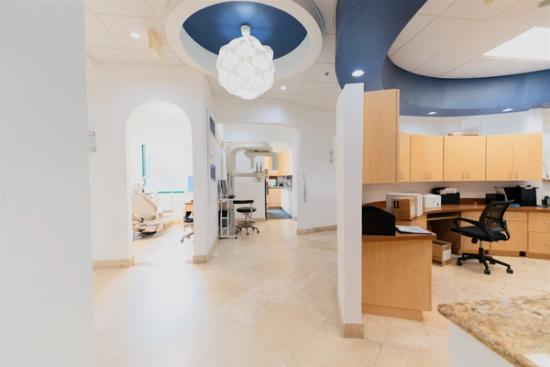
{"points": [[513, 328], [465, 207], [399, 237]]}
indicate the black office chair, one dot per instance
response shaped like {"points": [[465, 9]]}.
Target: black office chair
{"points": [[247, 211], [491, 227]]}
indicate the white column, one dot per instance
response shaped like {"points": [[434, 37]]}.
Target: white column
{"points": [[45, 256], [349, 158]]}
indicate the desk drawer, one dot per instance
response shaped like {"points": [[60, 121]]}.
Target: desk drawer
{"points": [[517, 216], [539, 243], [539, 222]]}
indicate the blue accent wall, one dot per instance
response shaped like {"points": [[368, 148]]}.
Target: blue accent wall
{"points": [[365, 31], [216, 25]]}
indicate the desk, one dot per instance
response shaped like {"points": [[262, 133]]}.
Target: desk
{"points": [[529, 228], [397, 275]]}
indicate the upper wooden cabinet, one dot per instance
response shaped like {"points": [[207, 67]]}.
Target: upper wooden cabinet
{"points": [[285, 165], [404, 164], [514, 157], [380, 136], [464, 158], [426, 158]]}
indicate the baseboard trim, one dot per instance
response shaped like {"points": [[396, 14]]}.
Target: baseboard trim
{"points": [[120, 263], [316, 229], [349, 330], [203, 259], [392, 312]]}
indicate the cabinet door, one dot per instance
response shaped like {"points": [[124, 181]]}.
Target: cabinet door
{"points": [[518, 237], [426, 158], [528, 157], [500, 158], [466, 244], [464, 158], [404, 157], [380, 136], [539, 243]]}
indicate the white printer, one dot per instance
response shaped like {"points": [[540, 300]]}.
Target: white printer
{"points": [[431, 201]]}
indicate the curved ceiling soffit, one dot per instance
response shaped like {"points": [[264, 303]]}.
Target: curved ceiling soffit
{"points": [[365, 31], [294, 62]]}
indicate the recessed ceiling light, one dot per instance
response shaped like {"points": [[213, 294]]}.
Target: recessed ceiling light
{"points": [[531, 44], [507, 109], [432, 113], [135, 35], [283, 87], [357, 73]]}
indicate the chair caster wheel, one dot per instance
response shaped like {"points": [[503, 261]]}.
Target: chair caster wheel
{"points": [[509, 271], [459, 262], [487, 271], [492, 262]]}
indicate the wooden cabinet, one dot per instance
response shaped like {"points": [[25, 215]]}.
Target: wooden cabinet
{"points": [[464, 158], [539, 234], [426, 158], [514, 157], [285, 165], [380, 136], [274, 198], [404, 164], [466, 244], [517, 226], [528, 156]]}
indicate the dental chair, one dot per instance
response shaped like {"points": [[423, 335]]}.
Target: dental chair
{"points": [[145, 216]]}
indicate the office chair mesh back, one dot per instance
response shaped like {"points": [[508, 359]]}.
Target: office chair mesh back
{"points": [[492, 218]]}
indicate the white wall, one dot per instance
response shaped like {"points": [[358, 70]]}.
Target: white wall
{"points": [[510, 123], [316, 193], [46, 306], [114, 91], [349, 163]]}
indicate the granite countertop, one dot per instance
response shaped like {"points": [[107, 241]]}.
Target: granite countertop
{"points": [[513, 328]]}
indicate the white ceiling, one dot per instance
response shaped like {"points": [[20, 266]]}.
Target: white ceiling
{"points": [[109, 24], [447, 38]]}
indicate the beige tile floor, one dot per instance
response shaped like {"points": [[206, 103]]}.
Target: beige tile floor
{"points": [[270, 300]]}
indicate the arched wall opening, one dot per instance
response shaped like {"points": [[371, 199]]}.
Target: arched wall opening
{"points": [[159, 156]]}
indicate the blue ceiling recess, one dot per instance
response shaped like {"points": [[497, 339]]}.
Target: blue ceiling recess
{"points": [[365, 31], [216, 25]]}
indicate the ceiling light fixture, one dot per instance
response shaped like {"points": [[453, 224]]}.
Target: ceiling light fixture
{"points": [[533, 44], [245, 66], [283, 87], [135, 35], [358, 73], [432, 113], [507, 109]]}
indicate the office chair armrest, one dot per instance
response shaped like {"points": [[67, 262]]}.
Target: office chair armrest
{"points": [[471, 221]]}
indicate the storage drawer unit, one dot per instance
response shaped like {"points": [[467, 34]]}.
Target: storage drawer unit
{"points": [[539, 222], [539, 243]]}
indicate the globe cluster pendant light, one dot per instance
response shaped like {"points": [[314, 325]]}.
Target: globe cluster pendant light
{"points": [[245, 66]]}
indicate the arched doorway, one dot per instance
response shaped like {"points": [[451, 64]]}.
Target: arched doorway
{"points": [[159, 155]]}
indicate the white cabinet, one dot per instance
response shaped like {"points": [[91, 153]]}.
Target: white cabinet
{"points": [[286, 201]]}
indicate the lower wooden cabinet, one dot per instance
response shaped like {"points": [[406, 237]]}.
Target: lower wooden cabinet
{"points": [[517, 226], [539, 243], [466, 244], [539, 234]]}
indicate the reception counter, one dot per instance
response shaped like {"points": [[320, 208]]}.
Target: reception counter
{"points": [[397, 275]]}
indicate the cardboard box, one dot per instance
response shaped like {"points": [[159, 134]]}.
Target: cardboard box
{"points": [[404, 208], [441, 252]]}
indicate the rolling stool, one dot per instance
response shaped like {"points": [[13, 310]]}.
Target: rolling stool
{"points": [[247, 211]]}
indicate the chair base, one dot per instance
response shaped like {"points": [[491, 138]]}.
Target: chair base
{"points": [[247, 225], [483, 259]]}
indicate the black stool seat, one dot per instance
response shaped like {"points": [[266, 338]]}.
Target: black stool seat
{"points": [[246, 209]]}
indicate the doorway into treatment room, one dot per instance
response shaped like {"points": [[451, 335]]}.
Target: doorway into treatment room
{"points": [[160, 172], [275, 197]]}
